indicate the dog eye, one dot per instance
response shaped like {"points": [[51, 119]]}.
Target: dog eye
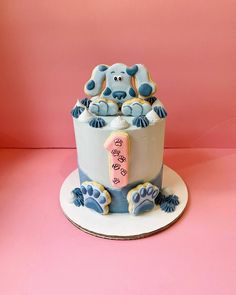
{"points": [[115, 78], [119, 78]]}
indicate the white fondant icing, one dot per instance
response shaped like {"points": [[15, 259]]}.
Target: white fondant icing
{"points": [[119, 123], [146, 150], [166, 191], [86, 116], [152, 117]]}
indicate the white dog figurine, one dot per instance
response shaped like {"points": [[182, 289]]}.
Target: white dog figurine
{"points": [[118, 86]]}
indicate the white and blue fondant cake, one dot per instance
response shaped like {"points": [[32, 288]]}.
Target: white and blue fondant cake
{"points": [[119, 130]]}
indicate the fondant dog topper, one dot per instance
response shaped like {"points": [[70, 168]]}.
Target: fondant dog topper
{"points": [[118, 86], [118, 82]]}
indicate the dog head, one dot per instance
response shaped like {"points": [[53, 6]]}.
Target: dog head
{"points": [[119, 82]]}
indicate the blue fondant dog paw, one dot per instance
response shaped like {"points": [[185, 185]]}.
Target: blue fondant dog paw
{"points": [[161, 112], [142, 198], [95, 197], [104, 107], [136, 107]]}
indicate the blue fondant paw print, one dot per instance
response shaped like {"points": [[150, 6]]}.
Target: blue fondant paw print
{"points": [[136, 107], [104, 107], [142, 198], [161, 112], [95, 197]]}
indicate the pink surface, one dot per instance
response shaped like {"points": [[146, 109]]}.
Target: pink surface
{"points": [[41, 252], [48, 49]]}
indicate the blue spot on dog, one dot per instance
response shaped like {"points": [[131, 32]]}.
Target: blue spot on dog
{"points": [[132, 92], [90, 85], [132, 70], [145, 89], [107, 91], [102, 68]]}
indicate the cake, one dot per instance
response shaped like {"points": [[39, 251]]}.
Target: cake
{"points": [[119, 131]]}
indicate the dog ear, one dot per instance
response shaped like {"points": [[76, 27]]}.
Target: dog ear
{"points": [[132, 70], [145, 86], [94, 85]]}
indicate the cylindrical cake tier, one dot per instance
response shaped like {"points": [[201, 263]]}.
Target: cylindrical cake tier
{"points": [[146, 147]]}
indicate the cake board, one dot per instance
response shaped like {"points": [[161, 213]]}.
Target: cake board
{"points": [[123, 226]]}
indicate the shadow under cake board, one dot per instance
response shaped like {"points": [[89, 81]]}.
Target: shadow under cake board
{"points": [[123, 226]]}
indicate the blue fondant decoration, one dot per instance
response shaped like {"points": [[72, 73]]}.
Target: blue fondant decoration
{"points": [[167, 207], [159, 199], [97, 122], [119, 94], [86, 102], [141, 121], [94, 198], [119, 203], [142, 198], [145, 206], [96, 193], [143, 192], [145, 89], [102, 200], [161, 112], [89, 190], [132, 92], [107, 91], [77, 111], [93, 204], [78, 197], [151, 99], [90, 85], [102, 68], [83, 189], [132, 70], [167, 203], [173, 199], [136, 197]]}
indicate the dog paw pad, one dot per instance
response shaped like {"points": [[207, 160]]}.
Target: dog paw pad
{"points": [[142, 198], [95, 197]]}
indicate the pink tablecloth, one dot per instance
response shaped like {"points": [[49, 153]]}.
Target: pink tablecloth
{"points": [[41, 252]]}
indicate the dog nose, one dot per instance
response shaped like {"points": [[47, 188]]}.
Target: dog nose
{"points": [[119, 94]]}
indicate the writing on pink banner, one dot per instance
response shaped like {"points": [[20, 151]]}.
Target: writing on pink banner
{"points": [[117, 145]]}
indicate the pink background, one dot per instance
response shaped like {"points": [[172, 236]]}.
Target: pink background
{"points": [[48, 49]]}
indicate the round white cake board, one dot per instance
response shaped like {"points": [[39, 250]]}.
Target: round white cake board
{"points": [[123, 226]]}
